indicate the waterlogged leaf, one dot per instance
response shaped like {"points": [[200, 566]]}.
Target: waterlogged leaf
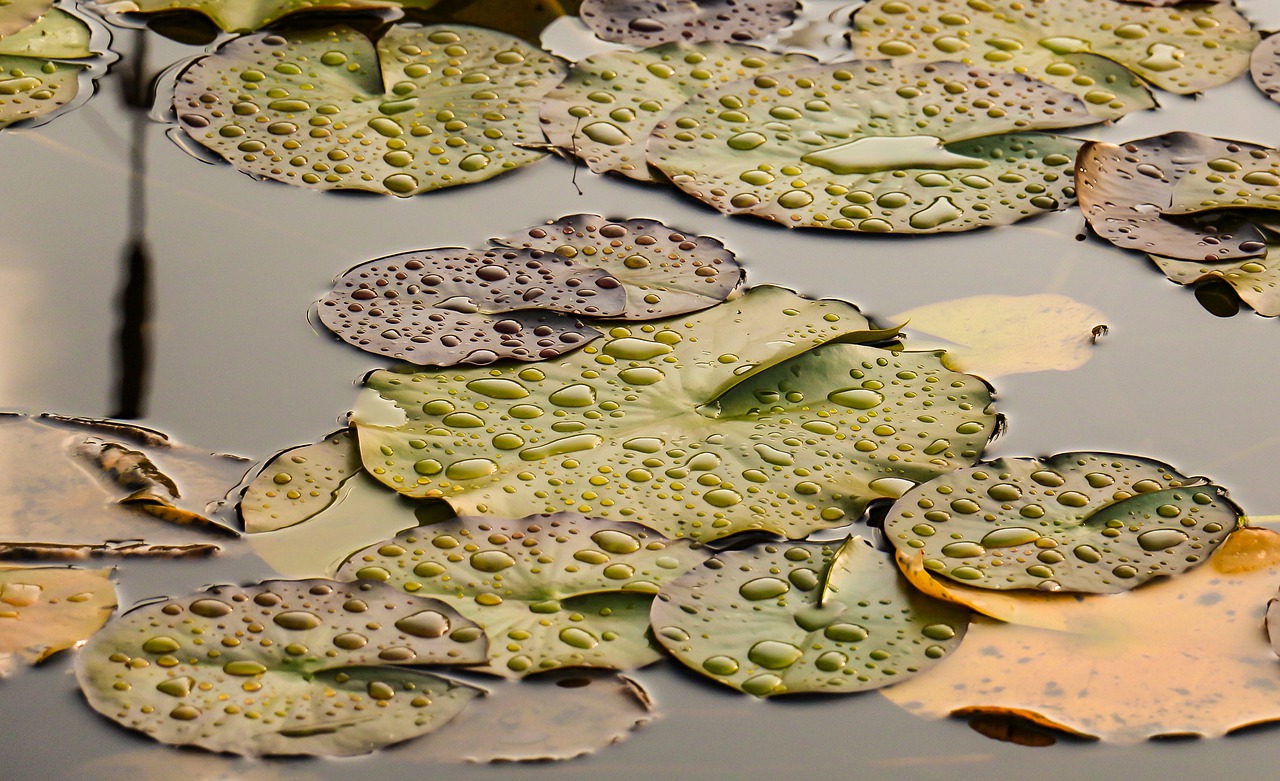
{"points": [[1084, 522], [424, 108], [1264, 66], [1254, 279], [1180, 656], [663, 272], [299, 483], [315, 676], [609, 103], [994, 335], [550, 590], [449, 306], [698, 426], [651, 22], [875, 146], [1245, 177], [1086, 47], [44, 610], [248, 15], [1125, 192], [804, 617]]}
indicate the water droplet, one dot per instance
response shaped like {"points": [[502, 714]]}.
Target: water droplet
{"points": [[616, 542], [1161, 539], [578, 638], [764, 588], [774, 654], [579, 395], [496, 388], [244, 668], [762, 685], [470, 469], [427, 623], [857, 398], [297, 620], [722, 497], [210, 608], [720, 665], [1009, 537], [492, 560]]}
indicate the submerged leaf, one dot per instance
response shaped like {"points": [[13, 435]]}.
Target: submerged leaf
{"points": [[663, 272], [875, 146], [1085, 522], [316, 676], [651, 22], [248, 15], [1153, 661], [44, 610], [804, 617], [427, 107], [761, 413]]}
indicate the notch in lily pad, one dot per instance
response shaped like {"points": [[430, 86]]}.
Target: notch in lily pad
{"points": [[653, 22]]}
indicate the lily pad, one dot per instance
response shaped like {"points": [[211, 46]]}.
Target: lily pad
{"points": [[651, 22], [663, 272], [1264, 66], [238, 16], [44, 610], [449, 306], [804, 617], [299, 483], [17, 15], [1084, 522], [1150, 662], [698, 426], [1091, 48], [283, 667], [1244, 177], [1255, 280], [424, 108], [46, 66], [875, 146], [550, 590], [609, 103], [1126, 192]]}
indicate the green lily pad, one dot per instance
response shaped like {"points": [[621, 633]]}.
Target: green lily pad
{"points": [[1086, 47], [17, 15], [875, 146], [283, 667], [239, 16], [551, 590], [1097, 523], [1264, 67], [47, 66], [609, 103], [424, 108], [698, 426], [663, 272], [1244, 177], [652, 22], [299, 483], [804, 617], [1255, 280], [44, 610], [448, 306]]}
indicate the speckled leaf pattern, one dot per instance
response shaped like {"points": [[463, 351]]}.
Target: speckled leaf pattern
{"points": [[1181, 656], [248, 15], [1264, 66], [44, 610], [651, 22], [804, 617], [282, 667], [428, 107], [550, 590], [1182, 49], [698, 426], [448, 306], [875, 146], [1255, 280], [1084, 522], [664, 272], [1245, 177], [609, 103], [42, 62], [299, 483]]}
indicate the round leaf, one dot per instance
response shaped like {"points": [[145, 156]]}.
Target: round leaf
{"points": [[429, 107], [1087, 522], [651, 22], [804, 617], [44, 610]]}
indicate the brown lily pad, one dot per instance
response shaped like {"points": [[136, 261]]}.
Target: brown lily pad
{"points": [[651, 22]]}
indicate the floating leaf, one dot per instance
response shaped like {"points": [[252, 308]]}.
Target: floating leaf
{"points": [[1086, 47], [235, 16], [875, 146], [1244, 177], [1152, 661], [428, 107], [664, 272], [1086, 522], [1126, 190], [651, 22], [994, 335], [551, 590], [1254, 279], [313, 676], [450, 306], [17, 15], [699, 426], [299, 483], [1264, 66], [44, 610], [47, 66], [610, 103], [821, 29], [804, 617]]}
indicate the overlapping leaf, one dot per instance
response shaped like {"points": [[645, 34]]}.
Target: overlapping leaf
{"points": [[44, 610], [45, 55], [875, 146], [424, 108], [1243, 177], [235, 16], [299, 483], [1086, 522], [652, 22], [1254, 280]]}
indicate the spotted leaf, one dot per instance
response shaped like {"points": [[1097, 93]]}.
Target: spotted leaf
{"points": [[651, 22], [237, 16]]}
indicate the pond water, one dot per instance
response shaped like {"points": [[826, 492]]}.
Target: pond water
{"points": [[237, 367]]}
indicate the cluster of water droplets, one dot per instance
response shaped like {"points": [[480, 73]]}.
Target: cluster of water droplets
{"points": [[651, 22]]}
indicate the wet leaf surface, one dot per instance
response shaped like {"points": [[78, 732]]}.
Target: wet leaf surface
{"points": [[609, 103], [698, 426], [299, 483], [17, 15], [299, 667], [663, 271], [1264, 66], [44, 610], [1085, 522], [239, 16], [1254, 279], [653, 22], [804, 617], [994, 335], [424, 108], [46, 65], [550, 590], [875, 146], [1243, 177], [1180, 656]]}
